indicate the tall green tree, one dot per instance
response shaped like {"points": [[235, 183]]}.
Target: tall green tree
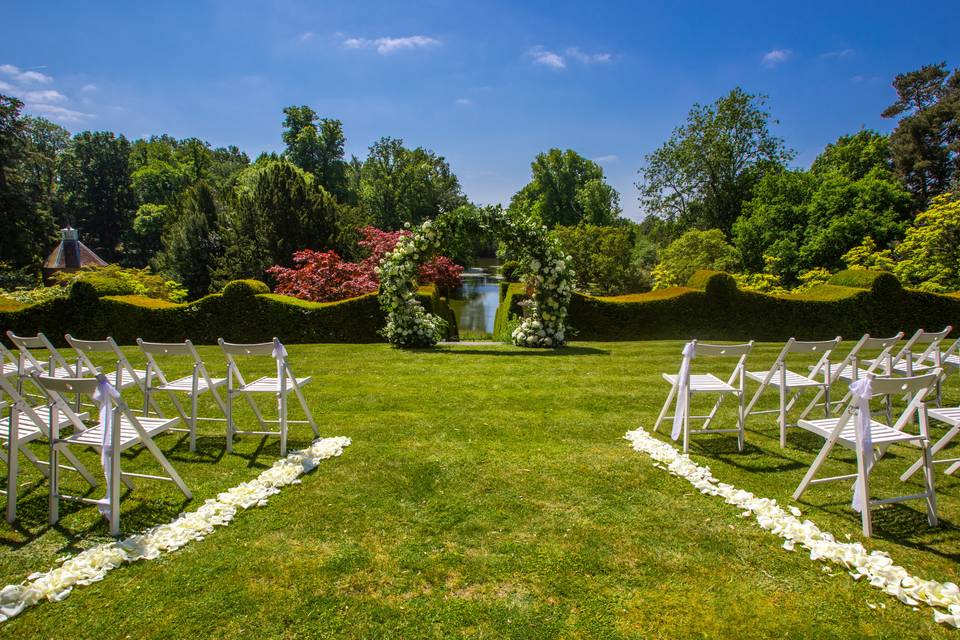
{"points": [[706, 170], [854, 156], [25, 216], [567, 189], [926, 143], [192, 247], [277, 209], [399, 185], [96, 190], [316, 145]]}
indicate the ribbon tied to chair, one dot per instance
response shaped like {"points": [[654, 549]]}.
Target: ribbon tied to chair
{"points": [[104, 396], [862, 390], [683, 381], [279, 354]]}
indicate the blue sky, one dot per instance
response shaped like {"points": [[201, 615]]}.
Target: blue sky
{"points": [[487, 85]]}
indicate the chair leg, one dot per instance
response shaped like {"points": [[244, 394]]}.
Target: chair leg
{"points": [[783, 416], [812, 471], [686, 420], [54, 498], [115, 475], [741, 435], [929, 482], [306, 410], [713, 411], [666, 407], [162, 459], [282, 406], [230, 421], [863, 480], [12, 471], [940, 444], [193, 422]]}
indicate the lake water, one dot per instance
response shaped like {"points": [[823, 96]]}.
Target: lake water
{"points": [[475, 303]]}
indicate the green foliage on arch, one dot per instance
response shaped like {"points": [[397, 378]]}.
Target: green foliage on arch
{"points": [[544, 264]]}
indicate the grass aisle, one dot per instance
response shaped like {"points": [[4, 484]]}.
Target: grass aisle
{"points": [[488, 493]]}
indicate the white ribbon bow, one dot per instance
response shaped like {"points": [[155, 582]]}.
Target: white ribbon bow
{"points": [[683, 381], [104, 396], [862, 390], [279, 354]]}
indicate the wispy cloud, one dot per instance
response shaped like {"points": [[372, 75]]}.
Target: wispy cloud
{"points": [[588, 58], [610, 159], [306, 36], [775, 57], [89, 88], [547, 58], [862, 78], [43, 101], [30, 77], [463, 101], [386, 46], [59, 113], [839, 53]]}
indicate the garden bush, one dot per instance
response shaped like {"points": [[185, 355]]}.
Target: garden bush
{"points": [[244, 312]]}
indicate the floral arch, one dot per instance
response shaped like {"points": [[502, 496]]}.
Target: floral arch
{"points": [[541, 258]]}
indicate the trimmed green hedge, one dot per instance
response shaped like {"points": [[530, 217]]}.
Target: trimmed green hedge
{"points": [[511, 294], [244, 312], [713, 308], [862, 278]]}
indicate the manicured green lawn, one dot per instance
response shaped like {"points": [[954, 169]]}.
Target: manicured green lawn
{"points": [[488, 493]]}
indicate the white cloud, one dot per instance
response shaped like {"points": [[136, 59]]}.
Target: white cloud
{"points": [[588, 58], [28, 77], [89, 88], [59, 113], [464, 101], [610, 159], [6, 87], [840, 53], [44, 96], [306, 36], [547, 58], [773, 58], [386, 46]]}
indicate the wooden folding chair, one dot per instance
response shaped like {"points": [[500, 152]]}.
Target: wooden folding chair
{"points": [[280, 386], [792, 384], [684, 385], [847, 432], [21, 425], [876, 354], [951, 417], [119, 429], [53, 362], [195, 385]]}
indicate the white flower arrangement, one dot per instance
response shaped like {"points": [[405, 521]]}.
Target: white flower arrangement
{"points": [[409, 325], [876, 566], [93, 564]]}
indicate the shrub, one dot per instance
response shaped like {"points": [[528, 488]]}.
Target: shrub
{"points": [[510, 270], [603, 261], [857, 278], [694, 250], [114, 280], [242, 289], [930, 252]]}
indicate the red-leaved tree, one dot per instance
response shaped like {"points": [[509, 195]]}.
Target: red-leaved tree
{"points": [[322, 276]]}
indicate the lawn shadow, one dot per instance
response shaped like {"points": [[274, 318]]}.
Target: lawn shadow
{"points": [[753, 458]]}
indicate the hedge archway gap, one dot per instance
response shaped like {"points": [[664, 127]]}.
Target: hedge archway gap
{"points": [[546, 268]]}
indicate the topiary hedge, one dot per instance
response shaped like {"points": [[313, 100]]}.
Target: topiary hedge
{"points": [[715, 309], [244, 312]]}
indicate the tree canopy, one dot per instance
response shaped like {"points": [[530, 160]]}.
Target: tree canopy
{"points": [[567, 189], [706, 170]]}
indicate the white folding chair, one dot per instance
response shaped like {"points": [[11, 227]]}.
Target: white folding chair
{"points": [[280, 386], [21, 425], [124, 376], [195, 384], [789, 383], [118, 430], [52, 363], [951, 417], [907, 361], [12, 363], [866, 436], [684, 385], [876, 354]]}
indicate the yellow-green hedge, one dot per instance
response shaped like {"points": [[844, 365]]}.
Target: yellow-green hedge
{"points": [[244, 312]]}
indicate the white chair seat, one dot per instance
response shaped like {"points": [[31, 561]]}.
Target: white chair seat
{"points": [[126, 377], [85, 372], [949, 415], [26, 430], [11, 368], [185, 384], [879, 432], [794, 380], [846, 373], [129, 436], [706, 382], [272, 385]]}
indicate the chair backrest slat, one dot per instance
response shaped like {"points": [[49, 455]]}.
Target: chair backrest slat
{"points": [[720, 350]]}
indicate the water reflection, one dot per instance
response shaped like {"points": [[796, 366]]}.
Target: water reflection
{"points": [[475, 303]]}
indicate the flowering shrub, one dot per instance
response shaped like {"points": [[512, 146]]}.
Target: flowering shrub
{"points": [[323, 276], [546, 268]]}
